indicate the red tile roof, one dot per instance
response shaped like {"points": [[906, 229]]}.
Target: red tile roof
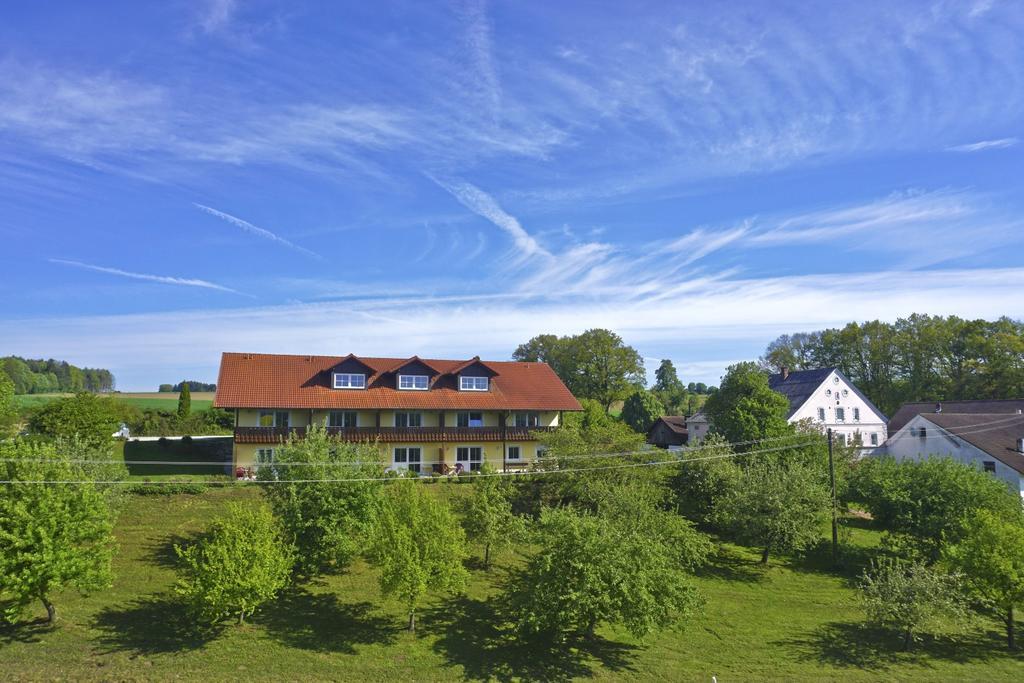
{"points": [[261, 380]]}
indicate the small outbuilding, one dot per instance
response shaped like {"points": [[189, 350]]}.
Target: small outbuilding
{"points": [[667, 432]]}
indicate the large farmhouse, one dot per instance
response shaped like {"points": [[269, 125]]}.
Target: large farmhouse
{"points": [[824, 397], [426, 415]]}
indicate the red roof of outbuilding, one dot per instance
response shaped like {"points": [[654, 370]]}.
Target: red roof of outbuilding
{"points": [[262, 380]]}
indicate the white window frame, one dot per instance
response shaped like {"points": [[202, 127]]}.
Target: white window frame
{"points": [[408, 414], [518, 450], [274, 415], [414, 383], [407, 461], [821, 414], [342, 413], [264, 456], [840, 415], [526, 419], [856, 414], [473, 383], [347, 380], [470, 465], [874, 438]]}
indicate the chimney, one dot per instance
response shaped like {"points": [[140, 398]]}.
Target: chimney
{"points": [[938, 407], [785, 372], [1020, 445]]}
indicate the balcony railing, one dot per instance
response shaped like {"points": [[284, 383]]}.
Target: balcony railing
{"points": [[393, 434]]}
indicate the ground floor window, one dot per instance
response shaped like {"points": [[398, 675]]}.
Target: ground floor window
{"points": [[409, 457], [513, 453], [470, 457], [264, 456], [874, 438]]}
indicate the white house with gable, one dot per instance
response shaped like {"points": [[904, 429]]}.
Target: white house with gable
{"points": [[827, 399], [991, 442]]}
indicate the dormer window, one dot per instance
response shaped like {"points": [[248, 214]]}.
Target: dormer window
{"points": [[349, 380], [414, 382], [472, 383]]}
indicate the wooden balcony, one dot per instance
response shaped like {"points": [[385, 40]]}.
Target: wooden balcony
{"points": [[394, 434]]}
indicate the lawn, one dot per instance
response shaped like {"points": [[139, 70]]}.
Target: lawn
{"points": [[201, 400], [793, 621]]}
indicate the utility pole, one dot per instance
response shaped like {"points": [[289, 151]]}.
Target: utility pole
{"points": [[832, 477]]}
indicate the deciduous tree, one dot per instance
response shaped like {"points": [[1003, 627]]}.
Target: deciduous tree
{"points": [[53, 535], [240, 563], [991, 558], [327, 521], [418, 545], [488, 517], [85, 415], [745, 409], [910, 597], [641, 409]]}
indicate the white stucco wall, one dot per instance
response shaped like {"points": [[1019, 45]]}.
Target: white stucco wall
{"points": [[834, 393], [906, 444]]}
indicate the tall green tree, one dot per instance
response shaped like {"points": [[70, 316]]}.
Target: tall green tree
{"points": [[488, 517], [776, 505], [745, 409], [923, 505], [991, 558], [629, 564], [327, 521], [665, 377], [641, 409], [184, 402], [53, 536], [8, 408], [595, 364], [910, 597], [240, 563], [418, 545]]}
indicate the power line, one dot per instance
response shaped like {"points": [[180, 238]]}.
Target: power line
{"points": [[674, 461]]}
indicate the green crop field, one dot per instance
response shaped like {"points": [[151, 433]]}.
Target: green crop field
{"points": [[201, 400], [795, 620]]}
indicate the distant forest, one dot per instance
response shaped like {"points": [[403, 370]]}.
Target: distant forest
{"points": [[32, 376], [193, 385], [918, 358]]}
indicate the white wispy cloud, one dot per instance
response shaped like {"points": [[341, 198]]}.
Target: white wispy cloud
{"points": [[163, 279], [485, 206], [740, 315], [984, 144], [216, 14], [255, 229]]}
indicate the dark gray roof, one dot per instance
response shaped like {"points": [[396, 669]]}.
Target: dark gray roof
{"points": [[799, 385], [994, 433], [908, 410]]}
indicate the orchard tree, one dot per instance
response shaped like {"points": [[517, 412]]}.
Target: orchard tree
{"points": [[910, 597], [641, 409], [53, 535], [488, 518], [922, 505], [991, 558], [745, 409], [184, 402], [418, 545], [240, 563], [775, 505], [628, 565], [327, 521], [711, 475]]}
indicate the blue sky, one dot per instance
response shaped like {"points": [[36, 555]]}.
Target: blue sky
{"points": [[183, 178]]}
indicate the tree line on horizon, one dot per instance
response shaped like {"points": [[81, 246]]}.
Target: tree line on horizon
{"points": [[917, 358], [193, 385], [38, 376]]}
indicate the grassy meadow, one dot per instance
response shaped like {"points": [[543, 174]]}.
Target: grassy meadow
{"points": [[201, 400], [795, 620]]}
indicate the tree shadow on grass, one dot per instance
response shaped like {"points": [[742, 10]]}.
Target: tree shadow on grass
{"points": [[151, 625], [852, 560], [319, 622], [23, 631], [728, 565], [859, 645], [472, 634], [161, 551]]}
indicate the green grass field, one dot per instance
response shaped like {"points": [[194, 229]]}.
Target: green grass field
{"points": [[201, 400], [792, 621]]}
